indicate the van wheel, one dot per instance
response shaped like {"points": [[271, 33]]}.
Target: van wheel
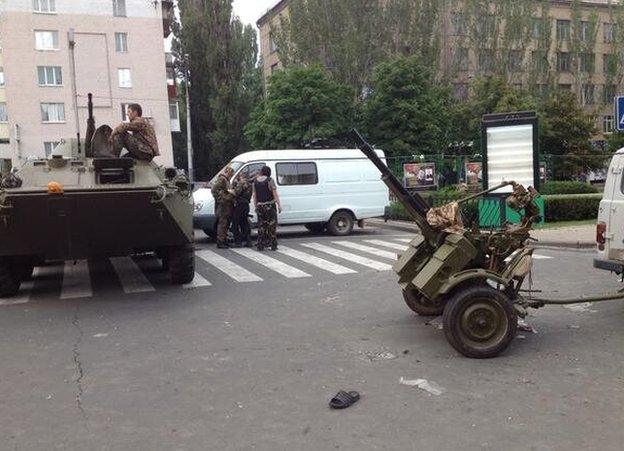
{"points": [[212, 233], [341, 223], [316, 227]]}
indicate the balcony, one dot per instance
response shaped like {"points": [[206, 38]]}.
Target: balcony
{"points": [[168, 15]]}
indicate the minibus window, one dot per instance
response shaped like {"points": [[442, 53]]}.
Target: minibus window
{"points": [[296, 173], [233, 164]]}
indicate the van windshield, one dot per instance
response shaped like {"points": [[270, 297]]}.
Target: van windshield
{"points": [[236, 165]]}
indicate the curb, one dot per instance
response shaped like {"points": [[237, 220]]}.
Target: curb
{"points": [[408, 227]]}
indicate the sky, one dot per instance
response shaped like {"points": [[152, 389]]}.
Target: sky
{"points": [[250, 11]]}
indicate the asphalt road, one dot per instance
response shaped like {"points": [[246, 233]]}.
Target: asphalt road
{"points": [[106, 356]]}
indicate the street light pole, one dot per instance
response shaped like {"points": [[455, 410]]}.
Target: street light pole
{"points": [[189, 129], [71, 37]]}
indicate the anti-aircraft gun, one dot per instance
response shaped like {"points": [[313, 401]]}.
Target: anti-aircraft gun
{"points": [[472, 277]]}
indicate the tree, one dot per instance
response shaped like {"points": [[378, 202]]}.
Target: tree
{"points": [[566, 134], [615, 141], [407, 111], [301, 104], [221, 56]]}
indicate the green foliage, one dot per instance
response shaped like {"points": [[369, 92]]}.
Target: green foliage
{"points": [[407, 111], [615, 141], [574, 207], [302, 104], [221, 56], [567, 187], [566, 132]]}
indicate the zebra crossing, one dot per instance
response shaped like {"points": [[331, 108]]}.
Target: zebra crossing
{"points": [[297, 260]]}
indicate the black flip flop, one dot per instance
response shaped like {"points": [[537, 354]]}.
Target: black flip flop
{"points": [[344, 399]]}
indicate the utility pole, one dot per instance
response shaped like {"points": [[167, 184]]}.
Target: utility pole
{"points": [[71, 37], [189, 129]]}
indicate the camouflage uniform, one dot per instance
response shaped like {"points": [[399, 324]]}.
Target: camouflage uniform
{"points": [[240, 220], [224, 206], [267, 225], [141, 144]]}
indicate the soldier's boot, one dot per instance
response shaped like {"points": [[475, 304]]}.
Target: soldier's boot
{"points": [[222, 245]]}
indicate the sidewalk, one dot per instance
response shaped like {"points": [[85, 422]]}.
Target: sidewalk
{"points": [[575, 237]]}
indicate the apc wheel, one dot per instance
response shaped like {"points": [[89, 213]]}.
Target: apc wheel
{"points": [[341, 223], [9, 281], [420, 305], [181, 262], [316, 227], [23, 268], [479, 322]]}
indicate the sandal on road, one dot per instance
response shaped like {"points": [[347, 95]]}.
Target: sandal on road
{"points": [[344, 399]]}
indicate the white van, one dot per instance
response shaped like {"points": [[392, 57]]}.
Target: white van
{"points": [[319, 188], [610, 226]]}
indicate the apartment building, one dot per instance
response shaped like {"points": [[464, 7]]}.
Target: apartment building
{"points": [[573, 49], [119, 58]]}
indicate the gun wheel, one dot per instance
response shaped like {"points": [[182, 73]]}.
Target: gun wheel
{"points": [[9, 280], [480, 322], [418, 304]]}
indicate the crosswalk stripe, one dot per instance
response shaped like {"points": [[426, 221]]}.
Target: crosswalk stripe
{"points": [[321, 263], [228, 267], [197, 282], [22, 297], [404, 240], [76, 280], [397, 246], [279, 267], [367, 249], [348, 256], [130, 276]]}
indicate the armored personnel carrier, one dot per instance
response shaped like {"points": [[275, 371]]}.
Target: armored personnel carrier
{"points": [[79, 207]]}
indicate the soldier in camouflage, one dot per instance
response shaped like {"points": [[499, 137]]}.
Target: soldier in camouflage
{"points": [[240, 220], [267, 204], [224, 205]]}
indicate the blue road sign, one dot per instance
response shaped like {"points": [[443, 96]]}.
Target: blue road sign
{"points": [[619, 113]]}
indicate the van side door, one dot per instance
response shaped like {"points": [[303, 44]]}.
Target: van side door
{"points": [[298, 189]]}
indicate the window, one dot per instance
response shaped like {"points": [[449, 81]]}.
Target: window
{"points": [[458, 24], [587, 92], [607, 124], [486, 60], [121, 42], [252, 169], [540, 61], [460, 91], [514, 63], [296, 174], [563, 30], [53, 112], [124, 112], [609, 64], [565, 87], [44, 6], [119, 8], [461, 58], [49, 146], [607, 32], [3, 112], [174, 113], [542, 90], [1, 76], [537, 26], [486, 25], [46, 40], [564, 62], [272, 43], [585, 32], [587, 62], [125, 78], [50, 75], [609, 94]]}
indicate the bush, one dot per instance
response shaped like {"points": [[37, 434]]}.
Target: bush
{"points": [[571, 207], [554, 187]]}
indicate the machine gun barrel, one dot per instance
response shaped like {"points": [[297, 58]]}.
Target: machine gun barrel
{"points": [[415, 205], [90, 127]]}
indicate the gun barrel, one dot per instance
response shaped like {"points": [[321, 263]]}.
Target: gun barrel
{"points": [[415, 205]]}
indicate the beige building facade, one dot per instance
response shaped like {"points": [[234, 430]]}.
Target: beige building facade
{"points": [[540, 62], [119, 58]]}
